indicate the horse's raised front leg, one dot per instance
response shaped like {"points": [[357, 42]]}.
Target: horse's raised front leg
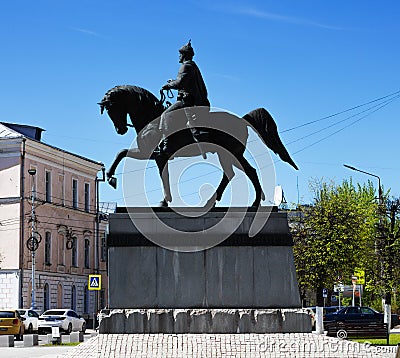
{"points": [[125, 153], [162, 164]]}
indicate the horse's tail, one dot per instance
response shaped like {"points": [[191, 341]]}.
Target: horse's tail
{"points": [[265, 126]]}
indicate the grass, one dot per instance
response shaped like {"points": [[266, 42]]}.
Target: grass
{"points": [[394, 340], [62, 344]]}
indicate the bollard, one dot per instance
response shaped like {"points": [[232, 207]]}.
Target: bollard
{"points": [[6, 341], [319, 320], [31, 340], [76, 337], [55, 336]]}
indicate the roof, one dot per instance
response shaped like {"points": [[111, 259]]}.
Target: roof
{"points": [[32, 132], [6, 132], [11, 131]]}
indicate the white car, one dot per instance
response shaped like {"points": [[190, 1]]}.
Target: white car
{"points": [[31, 319], [67, 320]]}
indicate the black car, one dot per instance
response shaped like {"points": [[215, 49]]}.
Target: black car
{"points": [[358, 314]]}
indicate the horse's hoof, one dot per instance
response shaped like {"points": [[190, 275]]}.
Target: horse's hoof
{"points": [[256, 203], [113, 182], [211, 202], [163, 204]]}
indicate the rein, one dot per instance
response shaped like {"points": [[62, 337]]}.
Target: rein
{"points": [[163, 97]]}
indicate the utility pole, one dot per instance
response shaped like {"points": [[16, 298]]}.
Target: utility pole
{"points": [[381, 244], [96, 251], [33, 242]]}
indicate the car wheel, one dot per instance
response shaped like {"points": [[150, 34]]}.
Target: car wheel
{"points": [[30, 328], [83, 330], [69, 329]]}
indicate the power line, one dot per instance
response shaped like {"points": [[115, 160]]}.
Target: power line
{"points": [[341, 112]]}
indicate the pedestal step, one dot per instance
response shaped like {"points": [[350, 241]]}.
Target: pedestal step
{"points": [[123, 321]]}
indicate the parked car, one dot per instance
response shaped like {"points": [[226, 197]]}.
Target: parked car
{"points": [[67, 320], [358, 314], [12, 323], [326, 310], [31, 319]]}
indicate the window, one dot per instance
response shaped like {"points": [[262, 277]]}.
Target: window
{"points": [[61, 249], [48, 186], [87, 197], [73, 298], [102, 299], [47, 249], [46, 297], [61, 180], [103, 251], [352, 310], [87, 253], [74, 252], [75, 193], [86, 300], [366, 310]]}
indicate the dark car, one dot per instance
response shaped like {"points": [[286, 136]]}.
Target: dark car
{"points": [[357, 314]]}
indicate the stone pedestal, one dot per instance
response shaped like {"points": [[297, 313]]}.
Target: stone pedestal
{"points": [[214, 285]]}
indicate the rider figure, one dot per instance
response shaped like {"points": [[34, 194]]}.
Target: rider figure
{"points": [[191, 90]]}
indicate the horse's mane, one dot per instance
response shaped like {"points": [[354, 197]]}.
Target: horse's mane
{"points": [[139, 98]]}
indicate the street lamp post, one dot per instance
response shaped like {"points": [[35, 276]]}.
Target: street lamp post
{"points": [[32, 173], [382, 244]]}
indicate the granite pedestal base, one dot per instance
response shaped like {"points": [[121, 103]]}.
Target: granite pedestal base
{"points": [[241, 279]]}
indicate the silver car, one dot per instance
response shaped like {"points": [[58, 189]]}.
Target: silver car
{"points": [[31, 320], [65, 319]]}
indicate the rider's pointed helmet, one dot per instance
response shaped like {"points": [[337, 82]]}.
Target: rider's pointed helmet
{"points": [[187, 49]]}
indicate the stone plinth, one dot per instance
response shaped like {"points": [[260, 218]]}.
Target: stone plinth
{"points": [[238, 272], [206, 321]]}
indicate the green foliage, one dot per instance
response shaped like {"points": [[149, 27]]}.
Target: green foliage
{"points": [[335, 234], [394, 340]]}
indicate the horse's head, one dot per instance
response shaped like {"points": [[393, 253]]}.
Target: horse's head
{"points": [[116, 112]]}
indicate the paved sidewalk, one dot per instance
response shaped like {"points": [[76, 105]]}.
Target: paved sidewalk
{"points": [[224, 345]]}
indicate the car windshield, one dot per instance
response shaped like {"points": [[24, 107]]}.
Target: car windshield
{"points": [[54, 313], [21, 312], [342, 310], [7, 314]]}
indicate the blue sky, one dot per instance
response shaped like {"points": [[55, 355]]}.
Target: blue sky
{"points": [[301, 60]]}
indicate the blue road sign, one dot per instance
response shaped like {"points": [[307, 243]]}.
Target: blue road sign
{"points": [[94, 282]]}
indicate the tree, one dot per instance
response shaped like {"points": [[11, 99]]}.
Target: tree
{"points": [[334, 235]]}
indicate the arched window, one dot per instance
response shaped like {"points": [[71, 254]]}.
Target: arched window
{"points": [[86, 300], [46, 297], [87, 253], [73, 298], [60, 300]]}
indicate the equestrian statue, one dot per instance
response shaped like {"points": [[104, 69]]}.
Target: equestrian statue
{"points": [[188, 128]]}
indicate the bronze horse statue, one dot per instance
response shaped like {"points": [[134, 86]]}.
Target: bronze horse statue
{"points": [[220, 132]]}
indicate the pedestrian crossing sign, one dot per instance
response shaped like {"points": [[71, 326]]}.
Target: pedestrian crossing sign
{"points": [[94, 282]]}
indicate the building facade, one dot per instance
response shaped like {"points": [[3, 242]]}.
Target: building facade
{"points": [[49, 215]]}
